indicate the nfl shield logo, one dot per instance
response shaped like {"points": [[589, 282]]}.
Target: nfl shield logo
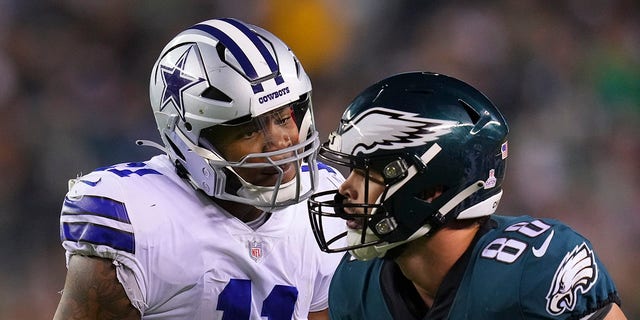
{"points": [[256, 250]]}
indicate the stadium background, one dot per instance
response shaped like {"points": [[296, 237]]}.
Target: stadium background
{"points": [[73, 97]]}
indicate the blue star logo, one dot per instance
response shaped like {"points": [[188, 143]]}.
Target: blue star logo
{"points": [[176, 81]]}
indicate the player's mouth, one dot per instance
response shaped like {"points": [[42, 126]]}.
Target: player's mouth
{"points": [[355, 223], [269, 176]]}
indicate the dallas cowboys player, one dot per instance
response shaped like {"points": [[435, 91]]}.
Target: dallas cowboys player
{"points": [[427, 157], [217, 227]]}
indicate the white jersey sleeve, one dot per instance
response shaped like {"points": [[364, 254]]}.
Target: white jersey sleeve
{"points": [[330, 179], [180, 256]]}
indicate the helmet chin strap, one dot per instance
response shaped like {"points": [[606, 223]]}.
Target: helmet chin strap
{"points": [[284, 191], [262, 197], [378, 251]]}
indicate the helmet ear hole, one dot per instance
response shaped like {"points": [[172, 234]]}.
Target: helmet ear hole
{"points": [[431, 193], [297, 63], [188, 126], [220, 48], [215, 94]]}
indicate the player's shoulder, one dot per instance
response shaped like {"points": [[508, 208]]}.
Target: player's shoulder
{"points": [[547, 261], [114, 201], [112, 209], [353, 275], [546, 237], [116, 180], [525, 240], [156, 166], [356, 287]]}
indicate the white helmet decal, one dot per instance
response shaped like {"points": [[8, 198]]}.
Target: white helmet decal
{"points": [[578, 271], [388, 129]]}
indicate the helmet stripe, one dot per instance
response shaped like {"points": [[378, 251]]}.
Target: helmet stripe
{"points": [[271, 62], [243, 44], [235, 50]]}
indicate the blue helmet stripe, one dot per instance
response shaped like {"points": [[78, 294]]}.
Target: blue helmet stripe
{"points": [[235, 50], [99, 235], [99, 206], [271, 62]]}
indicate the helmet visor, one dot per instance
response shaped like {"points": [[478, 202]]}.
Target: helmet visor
{"points": [[264, 150]]}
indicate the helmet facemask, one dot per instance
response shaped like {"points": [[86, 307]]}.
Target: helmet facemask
{"points": [[331, 204], [272, 177], [376, 219]]}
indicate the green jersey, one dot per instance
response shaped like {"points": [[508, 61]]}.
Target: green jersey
{"points": [[516, 268]]}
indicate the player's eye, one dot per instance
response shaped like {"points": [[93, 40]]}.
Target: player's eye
{"points": [[248, 132], [282, 120], [282, 117], [371, 176]]}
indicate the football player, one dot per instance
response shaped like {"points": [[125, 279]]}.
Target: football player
{"points": [[217, 226], [427, 157]]}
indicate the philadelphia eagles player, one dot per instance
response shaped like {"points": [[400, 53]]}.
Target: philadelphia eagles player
{"points": [[217, 227], [427, 157]]}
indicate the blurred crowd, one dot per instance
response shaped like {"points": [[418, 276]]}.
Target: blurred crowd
{"points": [[74, 97]]}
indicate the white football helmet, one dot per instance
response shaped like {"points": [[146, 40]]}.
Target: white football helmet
{"points": [[224, 72]]}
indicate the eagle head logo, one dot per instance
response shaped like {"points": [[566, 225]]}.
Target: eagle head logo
{"points": [[576, 274]]}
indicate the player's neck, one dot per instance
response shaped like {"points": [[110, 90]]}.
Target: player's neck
{"points": [[244, 212], [427, 260]]}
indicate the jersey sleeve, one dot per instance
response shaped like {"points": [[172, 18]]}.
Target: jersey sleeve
{"points": [[328, 262], [321, 285], [94, 221], [92, 216], [564, 277], [527, 268], [329, 179]]}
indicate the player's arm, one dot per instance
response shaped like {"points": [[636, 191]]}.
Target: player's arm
{"points": [[615, 313], [320, 315], [92, 291]]}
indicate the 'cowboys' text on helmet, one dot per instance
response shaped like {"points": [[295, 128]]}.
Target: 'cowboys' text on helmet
{"points": [[226, 74]]}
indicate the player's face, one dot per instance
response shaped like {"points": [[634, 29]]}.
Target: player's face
{"points": [[273, 131], [355, 190]]}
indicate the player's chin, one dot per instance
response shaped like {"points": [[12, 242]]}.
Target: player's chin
{"points": [[270, 177]]}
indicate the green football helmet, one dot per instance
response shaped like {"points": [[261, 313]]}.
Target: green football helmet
{"points": [[421, 131]]}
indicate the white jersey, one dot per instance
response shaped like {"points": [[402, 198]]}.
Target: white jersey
{"points": [[180, 256]]}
